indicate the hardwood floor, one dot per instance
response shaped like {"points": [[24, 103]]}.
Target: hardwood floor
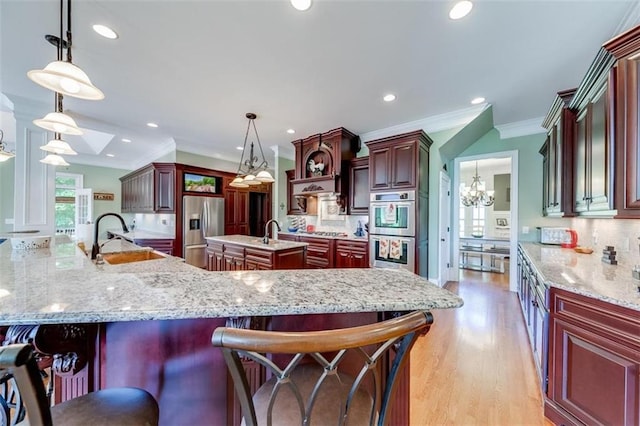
{"points": [[475, 366]]}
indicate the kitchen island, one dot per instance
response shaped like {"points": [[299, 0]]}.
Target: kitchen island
{"points": [[244, 252], [150, 322]]}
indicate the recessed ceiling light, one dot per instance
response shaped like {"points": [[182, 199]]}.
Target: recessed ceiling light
{"points": [[239, 148], [301, 4], [478, 100], [291, 131], [110, 155], [126, 140], [105, 31], [154, 125], [460, 9], [389, 98]]}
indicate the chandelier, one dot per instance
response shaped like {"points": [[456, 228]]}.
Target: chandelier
{"points": [[250, 172], [475, 194]]}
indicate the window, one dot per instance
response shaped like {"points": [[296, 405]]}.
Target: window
{"points": [[67, 186]]}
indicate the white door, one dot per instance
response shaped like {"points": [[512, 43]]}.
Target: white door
{"points": [[84, 206], [444, 219]]}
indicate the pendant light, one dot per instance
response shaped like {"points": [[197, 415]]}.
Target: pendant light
{"points": [[54, 160], [63, 76], [250, 172], [58, 122], [4, 155]]}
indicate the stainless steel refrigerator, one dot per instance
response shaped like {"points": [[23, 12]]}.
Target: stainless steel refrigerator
{"points": [[203, 217]]}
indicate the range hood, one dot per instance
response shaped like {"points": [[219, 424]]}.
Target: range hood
{"points": [[323, 162]]}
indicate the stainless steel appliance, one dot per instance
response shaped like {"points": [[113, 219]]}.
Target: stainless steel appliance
{"points": [[392, 213], [392, 230], [202, 217], [392, 252]]}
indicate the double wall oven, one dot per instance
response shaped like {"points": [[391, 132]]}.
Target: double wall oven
{"points": [[392, 229]]}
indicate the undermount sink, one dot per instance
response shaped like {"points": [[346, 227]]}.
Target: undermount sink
{"points": [[131, 256]]}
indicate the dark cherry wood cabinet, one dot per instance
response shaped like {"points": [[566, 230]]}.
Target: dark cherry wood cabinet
{"points": [[594, 155], [352, 254], [332, 253], [293, 207], [224, 256], [625, 77], [359, 186], [150, 189], [594, 372], [238, 203], [393, 162], [558, 158], [320, 252], [164, 245]]}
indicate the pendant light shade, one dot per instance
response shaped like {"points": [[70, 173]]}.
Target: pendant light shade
{"points": [[58, 146], [58, 122], [54, 160], [265, 176], [66, 78]]}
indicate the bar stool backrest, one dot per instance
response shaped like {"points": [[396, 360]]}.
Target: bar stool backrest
{"points": [[312, 387]]}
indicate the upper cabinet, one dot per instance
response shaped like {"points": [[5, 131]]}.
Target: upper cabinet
{"points": [[150, 189], [323, 163], [594, 136], [393, 161], [359, 186], [625, 78], [558, 162]]}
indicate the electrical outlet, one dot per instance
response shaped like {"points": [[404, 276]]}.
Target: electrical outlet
{"points": [[625, 244], [525, 229]]}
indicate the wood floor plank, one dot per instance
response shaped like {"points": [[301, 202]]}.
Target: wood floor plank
{"points": [[475, 366]]}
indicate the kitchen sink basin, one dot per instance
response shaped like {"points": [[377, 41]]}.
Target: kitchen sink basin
{"points": [[130, 256]]}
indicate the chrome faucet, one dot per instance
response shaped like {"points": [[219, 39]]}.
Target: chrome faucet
{"points": [[96, 247], [265, 239]]}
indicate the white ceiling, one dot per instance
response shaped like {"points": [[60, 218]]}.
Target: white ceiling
{"points": [[196, 67]]}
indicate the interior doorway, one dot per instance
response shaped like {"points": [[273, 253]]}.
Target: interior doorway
{"points": [[485, 214], [259, 212]]}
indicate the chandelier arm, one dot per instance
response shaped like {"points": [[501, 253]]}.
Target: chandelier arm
{"points": [[264, 163]]}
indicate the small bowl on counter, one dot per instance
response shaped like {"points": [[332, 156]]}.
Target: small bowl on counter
{"points": [[30, 242]]}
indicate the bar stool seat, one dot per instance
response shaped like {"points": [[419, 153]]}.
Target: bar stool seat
{"points": [[115, 406]]}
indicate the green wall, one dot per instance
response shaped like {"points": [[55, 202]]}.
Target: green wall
{"points": [[529, 176], [7, 170]]}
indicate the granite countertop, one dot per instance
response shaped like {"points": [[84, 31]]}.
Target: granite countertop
{"points": [[330, 237], [256, 242], [62, 285], [141, 234], [584, 274]]}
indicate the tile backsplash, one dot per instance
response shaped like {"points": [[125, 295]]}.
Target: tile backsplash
{"points": [[623, 234]]}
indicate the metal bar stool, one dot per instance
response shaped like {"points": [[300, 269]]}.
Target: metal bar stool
{"points": [[116, 406], [329, 377]]}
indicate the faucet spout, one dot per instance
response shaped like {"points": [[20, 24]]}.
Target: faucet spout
{"points": [[265, 239], [95, 249]]}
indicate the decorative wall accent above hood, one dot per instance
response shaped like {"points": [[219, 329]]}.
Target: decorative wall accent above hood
{"points": [[323, 161]]}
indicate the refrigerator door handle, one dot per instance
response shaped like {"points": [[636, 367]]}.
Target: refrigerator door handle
{"points": [[204, 219]]}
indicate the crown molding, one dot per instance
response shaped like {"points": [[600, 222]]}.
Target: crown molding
{"points": [[630, 19], [435, 123], [533, 126]]}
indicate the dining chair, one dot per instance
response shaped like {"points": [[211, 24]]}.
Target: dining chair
{"points": [[327, 377]]}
